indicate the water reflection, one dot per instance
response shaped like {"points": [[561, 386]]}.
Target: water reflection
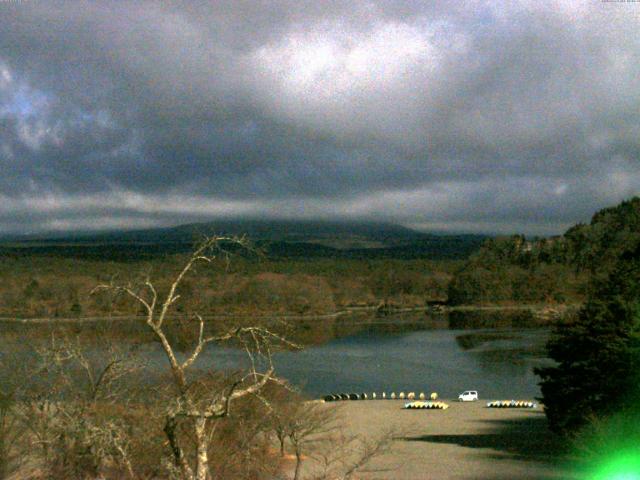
{"points": [[514, 318], [318, 331], [500, 363], [489, 352]]}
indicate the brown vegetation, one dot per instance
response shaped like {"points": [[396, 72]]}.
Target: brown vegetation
{"points": [[33, 287], [69, 410]]}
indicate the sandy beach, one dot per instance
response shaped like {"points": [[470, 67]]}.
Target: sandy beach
{"points": [[466, 441]]}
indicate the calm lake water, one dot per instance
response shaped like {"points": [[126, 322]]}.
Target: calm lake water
{"points": [[421, 356], [492, 354], [497, 364]]}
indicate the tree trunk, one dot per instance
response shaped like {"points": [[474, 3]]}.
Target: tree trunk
{"points": [[296, 475], [178, 456], [202, 465]]}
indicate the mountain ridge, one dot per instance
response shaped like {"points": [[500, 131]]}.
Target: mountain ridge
{"points": [[290, 238]]}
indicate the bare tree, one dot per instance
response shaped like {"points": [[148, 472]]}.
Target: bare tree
{"points": [[344, 456], [314, 433], [68, 413], [89, 379], [302, 425], [190, 405]]}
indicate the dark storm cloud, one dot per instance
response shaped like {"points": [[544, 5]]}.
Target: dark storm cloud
{"points": [[495, 116]]}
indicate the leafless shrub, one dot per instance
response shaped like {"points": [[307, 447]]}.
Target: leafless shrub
{"points": [[66, 410], [313, 433], [10, 433], [343, 456], [301, 425]]}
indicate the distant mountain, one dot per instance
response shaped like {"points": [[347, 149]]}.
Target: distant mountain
{"points": [[275, 230], [279, 238], [254, 228]]}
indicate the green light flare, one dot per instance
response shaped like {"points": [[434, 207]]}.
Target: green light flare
{"points": [[620, 466]]}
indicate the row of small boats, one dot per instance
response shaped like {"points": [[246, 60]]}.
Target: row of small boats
{"points": [[422, 404], [426, 406], [347, 396], [512, 404], [375, 396]]}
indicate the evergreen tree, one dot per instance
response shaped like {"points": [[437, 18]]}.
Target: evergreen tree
{"points": [[597, 368]]}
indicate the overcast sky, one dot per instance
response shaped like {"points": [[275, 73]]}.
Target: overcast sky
{"points": [[478, 116]]}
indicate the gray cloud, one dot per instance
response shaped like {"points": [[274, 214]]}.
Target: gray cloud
{"points": [[484, 116]]}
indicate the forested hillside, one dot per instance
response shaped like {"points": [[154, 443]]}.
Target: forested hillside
{"points": [[293, 267], [557, 269]]}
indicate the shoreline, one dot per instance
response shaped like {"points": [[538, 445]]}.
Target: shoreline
{"points": [[546, 312]]}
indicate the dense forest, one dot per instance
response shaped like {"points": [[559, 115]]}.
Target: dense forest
{"points": [[549, 270], [590, 391], [597, 357]]}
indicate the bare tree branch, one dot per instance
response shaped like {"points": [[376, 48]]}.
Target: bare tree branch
{"points": [[189, 404]]}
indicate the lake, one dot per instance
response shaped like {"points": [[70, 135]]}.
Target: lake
{"points": [[499, 364], [408, 354], [493, 354]]}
